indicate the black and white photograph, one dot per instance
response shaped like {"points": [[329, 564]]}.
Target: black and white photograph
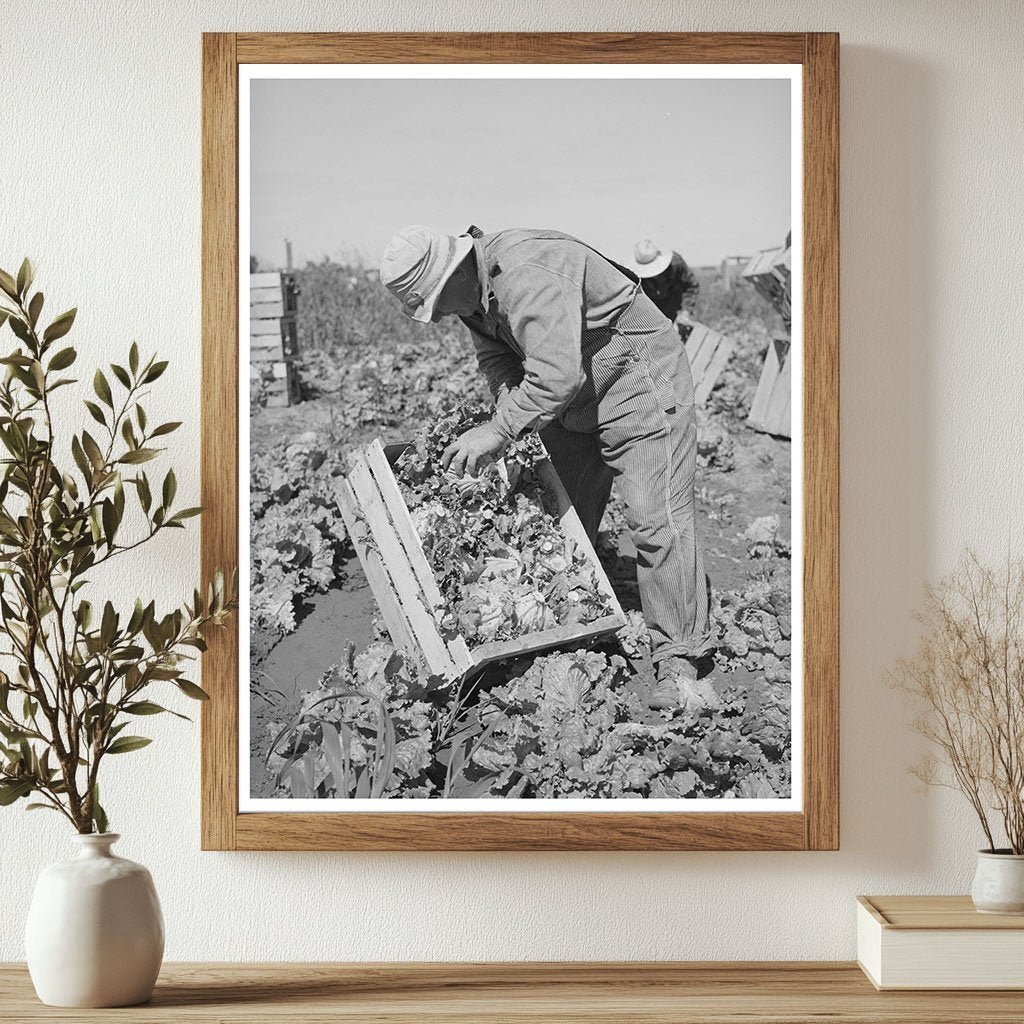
{"points": [[520, 473]]}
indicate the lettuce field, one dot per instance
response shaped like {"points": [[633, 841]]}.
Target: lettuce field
{"points": [[336, 711]]}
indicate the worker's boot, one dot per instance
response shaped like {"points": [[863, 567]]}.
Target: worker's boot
{"points": [[678, 688]]}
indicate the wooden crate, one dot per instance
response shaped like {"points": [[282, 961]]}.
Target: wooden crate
{"points": [[708, 352], [403, 583], [276, 288], [273, 335], [770, 409], [272, 339], [769, 273], [278, 380]]}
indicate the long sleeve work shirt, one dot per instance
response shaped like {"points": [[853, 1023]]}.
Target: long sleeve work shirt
{"points": [[673, 288], [541, 293]]}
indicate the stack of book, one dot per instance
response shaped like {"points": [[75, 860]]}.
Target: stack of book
{"points": [[938, 942]]}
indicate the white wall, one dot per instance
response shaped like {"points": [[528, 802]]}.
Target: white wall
{"points": [[100, 182]]}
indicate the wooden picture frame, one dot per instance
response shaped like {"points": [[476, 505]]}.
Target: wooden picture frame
{"points": [[816, 827]]}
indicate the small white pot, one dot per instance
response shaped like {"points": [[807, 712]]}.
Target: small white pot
{"points": [[999, 883], [95, 933]]}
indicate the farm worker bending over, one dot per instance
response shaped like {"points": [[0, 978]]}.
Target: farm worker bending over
{"points": [[572, 347], [666, 279]]}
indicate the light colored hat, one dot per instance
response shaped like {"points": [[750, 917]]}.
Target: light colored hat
{"points": [[417, 263], [650, 259]]}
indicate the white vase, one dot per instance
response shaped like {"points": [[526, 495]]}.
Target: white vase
{"points": [[999, 883], [95, 934]]}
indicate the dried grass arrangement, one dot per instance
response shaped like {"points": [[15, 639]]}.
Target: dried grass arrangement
{"points": [[966, 682]]}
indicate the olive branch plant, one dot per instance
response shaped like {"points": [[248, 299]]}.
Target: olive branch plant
{"points": [[79, 672], [966, 682]]}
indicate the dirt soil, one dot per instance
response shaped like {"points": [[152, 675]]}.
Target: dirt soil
{"points": [[745, 474]]}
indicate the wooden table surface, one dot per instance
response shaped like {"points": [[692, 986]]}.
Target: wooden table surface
{"points": [[615, 993]]}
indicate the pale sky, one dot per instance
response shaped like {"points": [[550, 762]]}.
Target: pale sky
{"points": [[702, 166]]}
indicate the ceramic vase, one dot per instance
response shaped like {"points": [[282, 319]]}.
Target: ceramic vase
{"points": [[999, 883], [95, 933]]}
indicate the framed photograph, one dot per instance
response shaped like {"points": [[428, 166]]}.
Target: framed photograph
{"points": [[521, 422]]}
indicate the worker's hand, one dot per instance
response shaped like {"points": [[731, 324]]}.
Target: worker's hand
{"points": [[474, 450]]}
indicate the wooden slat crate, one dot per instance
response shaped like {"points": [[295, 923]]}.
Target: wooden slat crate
{"points": [[272, 339], [274, 285], [278, 380], [770, 409], [403, 583], [769, 273], [708, 352], [273, 336]]}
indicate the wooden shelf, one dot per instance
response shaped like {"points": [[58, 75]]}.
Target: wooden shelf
{"points": [[611, 993]]}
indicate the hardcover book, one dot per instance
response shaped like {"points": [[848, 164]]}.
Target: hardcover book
{"points": [[938, 942]]}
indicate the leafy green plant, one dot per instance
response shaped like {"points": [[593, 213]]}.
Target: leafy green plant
{"points": [[299, 543], [344, 742], [569, 724], [343, 313], [507, 733], [572, 725], [82, 673], [503, 564], [310, 735]]}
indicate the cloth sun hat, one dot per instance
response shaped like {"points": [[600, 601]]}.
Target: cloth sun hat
{"points": [[417, 263], [650, 259]]}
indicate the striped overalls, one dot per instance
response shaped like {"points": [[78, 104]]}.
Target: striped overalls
{"points": [[630, 418]]}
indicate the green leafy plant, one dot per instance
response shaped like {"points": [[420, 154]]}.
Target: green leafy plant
{"points": [[82, 673]]}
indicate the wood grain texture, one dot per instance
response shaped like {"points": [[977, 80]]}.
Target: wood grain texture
{"points": [[399, 574], [821, 440], [943, 912], [546, 641], [521, 48], [817, 826], [219, 423], [524, 993], [715, 366], [373, 568], [621, 830], [401, 522]]}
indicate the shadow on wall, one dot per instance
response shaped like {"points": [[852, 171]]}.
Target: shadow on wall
{"points": [[887, 303]]}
